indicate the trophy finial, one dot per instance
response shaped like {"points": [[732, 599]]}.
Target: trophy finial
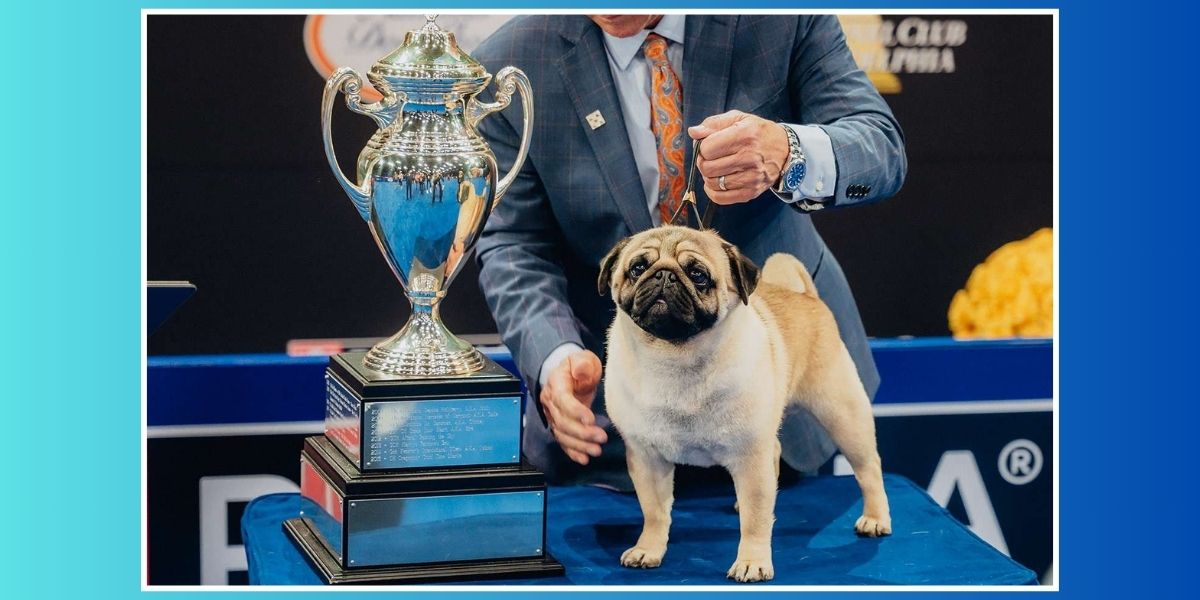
{"points": [[431, 26]]}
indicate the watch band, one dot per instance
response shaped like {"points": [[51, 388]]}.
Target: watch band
{"points": [[795, 155]]}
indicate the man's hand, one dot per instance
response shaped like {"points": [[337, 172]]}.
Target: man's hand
{"points": [[748, 151], [567, 402]]}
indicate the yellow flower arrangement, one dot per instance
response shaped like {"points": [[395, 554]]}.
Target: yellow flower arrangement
{"points": [[1011, 294]]}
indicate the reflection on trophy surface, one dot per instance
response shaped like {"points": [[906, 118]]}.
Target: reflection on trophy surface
{"points": [[426, 182]]}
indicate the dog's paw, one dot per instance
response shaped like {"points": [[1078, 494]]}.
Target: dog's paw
{"points": [[747, 570], [873, 527], [638, 557]]}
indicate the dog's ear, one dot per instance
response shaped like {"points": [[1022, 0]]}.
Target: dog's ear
{"points": [[745, 272], [604, 281]]}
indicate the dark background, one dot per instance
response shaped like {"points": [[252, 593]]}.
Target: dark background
{"points": [[241, 202]]}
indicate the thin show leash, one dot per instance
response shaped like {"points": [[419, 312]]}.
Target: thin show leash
{"points": [[689, 196]]}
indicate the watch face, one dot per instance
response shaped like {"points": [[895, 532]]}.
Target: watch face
{"points": [[795, 175]]}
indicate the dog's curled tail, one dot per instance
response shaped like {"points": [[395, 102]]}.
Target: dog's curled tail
{"points": [[787, 271]]}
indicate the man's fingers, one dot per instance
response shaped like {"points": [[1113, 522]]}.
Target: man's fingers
{"points": [[573, 436], [725, 165], [569, 442], [744, 181], [573, 409], [558, 386], [576, 456], [732, 196], [584, 433], [572, 418], [715, 123], [726, 142]]}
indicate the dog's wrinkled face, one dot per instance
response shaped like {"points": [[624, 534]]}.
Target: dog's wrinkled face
{"points": [[675, 282]]}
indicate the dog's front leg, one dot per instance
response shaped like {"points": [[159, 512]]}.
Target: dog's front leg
{"points": [[654, 481], [755, 481]]}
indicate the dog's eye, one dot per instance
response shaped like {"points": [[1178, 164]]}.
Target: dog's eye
{"points": [[698, 277], [637, 269]]}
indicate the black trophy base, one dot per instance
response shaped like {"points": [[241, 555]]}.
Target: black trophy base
{"points": [[396, 423], [319, 556]]}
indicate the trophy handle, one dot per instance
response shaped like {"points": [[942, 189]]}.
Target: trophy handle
{"points": [[508, 80], [383, 113]]}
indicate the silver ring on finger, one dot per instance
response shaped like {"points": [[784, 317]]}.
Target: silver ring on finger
{"points": [[721, 183]]}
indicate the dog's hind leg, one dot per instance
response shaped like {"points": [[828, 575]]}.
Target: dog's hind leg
{"points": [[841, 404], [654, 481]]}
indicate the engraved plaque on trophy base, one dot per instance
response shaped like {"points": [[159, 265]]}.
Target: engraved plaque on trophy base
{"points": [[362, 527], [390, 422]]}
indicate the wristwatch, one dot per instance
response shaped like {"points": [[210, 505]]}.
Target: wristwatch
{"points": [[795, 167]]}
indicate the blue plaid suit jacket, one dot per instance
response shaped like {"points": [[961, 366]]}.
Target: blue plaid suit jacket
{"points": [[579, 192]]}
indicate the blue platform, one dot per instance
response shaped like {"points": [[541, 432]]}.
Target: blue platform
{"points": [[814, 542]]}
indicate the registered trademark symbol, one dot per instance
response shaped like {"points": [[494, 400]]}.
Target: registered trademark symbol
{"points": [[1020, 462]]}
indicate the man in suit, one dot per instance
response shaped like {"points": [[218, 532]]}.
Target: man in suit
{"points": [[788, 125]]}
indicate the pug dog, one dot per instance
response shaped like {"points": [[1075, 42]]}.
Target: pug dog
{"points": [[705, 354]]}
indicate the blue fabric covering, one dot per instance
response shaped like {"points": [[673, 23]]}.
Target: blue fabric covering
{"points": [[814, 539]]}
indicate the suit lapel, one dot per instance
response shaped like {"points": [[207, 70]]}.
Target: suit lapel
{"points": [[707, 54], [588, 81]]}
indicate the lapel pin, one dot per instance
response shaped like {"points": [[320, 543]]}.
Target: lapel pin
{"points": [[595, 119]]}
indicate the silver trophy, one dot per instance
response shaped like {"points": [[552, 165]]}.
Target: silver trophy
{"points": [[426, 182], [419, 475]]}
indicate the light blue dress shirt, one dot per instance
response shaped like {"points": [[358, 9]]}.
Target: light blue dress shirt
{"points": [[632, 78]]}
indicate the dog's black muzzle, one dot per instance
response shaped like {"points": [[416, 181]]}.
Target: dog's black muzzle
{"points": [[667, 308]]}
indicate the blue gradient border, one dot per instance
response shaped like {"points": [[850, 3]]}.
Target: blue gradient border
{"points": [[72, 326]]}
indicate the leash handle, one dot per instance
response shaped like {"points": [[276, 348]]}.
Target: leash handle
{"points": [[689, 194]]}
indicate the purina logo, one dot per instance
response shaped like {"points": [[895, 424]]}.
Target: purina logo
{"points": [[357, 41], [887, 47]]}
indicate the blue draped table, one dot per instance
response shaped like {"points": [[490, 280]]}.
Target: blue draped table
{"points": [[814, 541]]}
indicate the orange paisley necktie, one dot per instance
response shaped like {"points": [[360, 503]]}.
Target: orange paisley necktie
{"points": [[666, 120]]}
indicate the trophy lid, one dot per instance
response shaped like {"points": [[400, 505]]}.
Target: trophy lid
{"points": [[428, 53]]}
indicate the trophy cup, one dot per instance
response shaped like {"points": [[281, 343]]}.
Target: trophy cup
{"points": [[419, 474]]}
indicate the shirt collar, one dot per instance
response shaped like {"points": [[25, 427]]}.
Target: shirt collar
{"points": [[623, 50]]}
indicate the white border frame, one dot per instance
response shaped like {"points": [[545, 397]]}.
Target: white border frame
{"points": [[1055, 407]]}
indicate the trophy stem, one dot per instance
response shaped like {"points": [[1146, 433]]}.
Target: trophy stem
{"points": [[424, 348]]}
